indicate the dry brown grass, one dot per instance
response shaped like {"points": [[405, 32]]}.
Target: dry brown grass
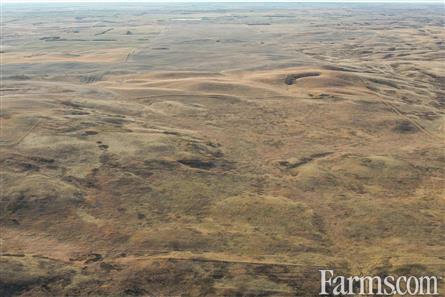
{"points": [[212, 158]]}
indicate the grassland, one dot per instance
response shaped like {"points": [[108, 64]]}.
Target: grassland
{"points": [[219, 150]]}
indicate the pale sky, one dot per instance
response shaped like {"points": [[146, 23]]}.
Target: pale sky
{"points": [[208, 1]]}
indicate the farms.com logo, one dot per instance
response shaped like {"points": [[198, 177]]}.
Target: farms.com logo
{"points": [[332, 285]]}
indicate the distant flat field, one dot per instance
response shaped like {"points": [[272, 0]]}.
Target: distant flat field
{"points": [[219, 149]]}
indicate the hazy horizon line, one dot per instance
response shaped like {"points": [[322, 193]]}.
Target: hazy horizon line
{"points": [[224, 1]]}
